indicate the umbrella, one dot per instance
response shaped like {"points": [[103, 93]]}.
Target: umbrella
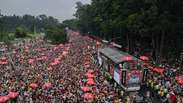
{"points": [[88, 96], [144, 58], [179, 80], [13, 95], [30, 61], [90, 81], [4, 99], [158, 70], [86, 89], [3, 62], [47, 85], [33, 85], [55, 62], [89, 75]]}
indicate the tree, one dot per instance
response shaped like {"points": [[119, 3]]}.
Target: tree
{"points": [[56, 35], [150, 23], [32, 23], [21, 32], [71, 23]]}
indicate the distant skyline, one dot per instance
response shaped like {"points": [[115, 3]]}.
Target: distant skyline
{"points": [[59, 9]]}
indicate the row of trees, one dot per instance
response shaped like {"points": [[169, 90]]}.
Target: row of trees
{"points": [[31, 23], [151, 24], [24, 26]]}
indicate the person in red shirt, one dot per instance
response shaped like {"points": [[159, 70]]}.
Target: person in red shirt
{"points": [[172, 97]]}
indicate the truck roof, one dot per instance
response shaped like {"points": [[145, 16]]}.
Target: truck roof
{"points": [[115, 55]]}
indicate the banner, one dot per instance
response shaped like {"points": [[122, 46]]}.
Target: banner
{"points": [[144, 78], [134, 77], [124, 77]]}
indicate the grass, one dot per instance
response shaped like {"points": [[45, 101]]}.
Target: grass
{"points": [[33, 36]]}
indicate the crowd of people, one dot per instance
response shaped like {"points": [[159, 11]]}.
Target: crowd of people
{"points": [[166, 84], [165, 81], [34, 71]]}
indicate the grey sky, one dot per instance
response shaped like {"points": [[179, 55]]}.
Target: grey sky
{"points": [[60, 9]]}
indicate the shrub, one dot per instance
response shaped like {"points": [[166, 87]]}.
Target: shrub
{"points": [[20, 32]]}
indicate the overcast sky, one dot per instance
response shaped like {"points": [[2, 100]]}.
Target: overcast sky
{"points": [[60, 9]]}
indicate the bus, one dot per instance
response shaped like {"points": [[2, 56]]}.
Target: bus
{"points": [[125, 69]]}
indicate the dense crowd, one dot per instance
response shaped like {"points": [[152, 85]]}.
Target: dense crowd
{"points": [[34, 71], [167, 85]]}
